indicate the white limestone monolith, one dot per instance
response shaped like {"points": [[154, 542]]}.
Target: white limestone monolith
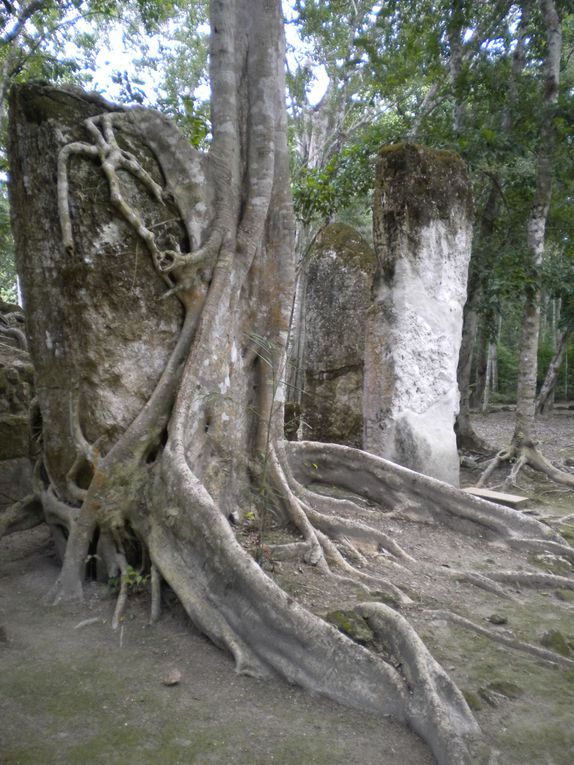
{"points": [[422, 223]]}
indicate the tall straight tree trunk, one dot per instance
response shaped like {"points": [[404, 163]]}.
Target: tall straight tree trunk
{"points": [[522, 450], [479, 269], [525, 428], [481, 368], [549, 384], [465, 434]]}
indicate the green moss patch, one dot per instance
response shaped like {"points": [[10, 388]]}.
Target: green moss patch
{"points": [[352, 625], [555, 641], [472, 699], [552, 564]]}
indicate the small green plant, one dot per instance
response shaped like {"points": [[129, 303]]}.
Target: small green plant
{"points": [[133, 578]]}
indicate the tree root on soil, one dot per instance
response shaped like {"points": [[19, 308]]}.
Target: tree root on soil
{"points": [[550, 657], [521, 456], [538, 581], [271, 650], [21, 515], [231, 599]]}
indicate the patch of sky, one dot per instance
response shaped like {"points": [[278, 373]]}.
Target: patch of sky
{"points": [[119, 64]]}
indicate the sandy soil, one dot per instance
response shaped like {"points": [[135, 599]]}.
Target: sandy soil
{"points": [[89, 695], [74, 694]]}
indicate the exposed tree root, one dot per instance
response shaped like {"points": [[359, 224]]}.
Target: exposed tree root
{"points": [[155, 610], [416, 495], [232, 600], [356, 576], [229, 597], [123, 593], [11, 333], [500, 457], [527, 579], [525, 455], [109, 488], [315, 526], [555, 659], [438, 713], [338, 526], [544, 546], [484, 583], [436, 708], [467, 440], [23, 514]]}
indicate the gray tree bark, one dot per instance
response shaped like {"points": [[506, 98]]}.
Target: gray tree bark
{"points": [[549, 384], [465, 434], [525, 428], [473, 342]]}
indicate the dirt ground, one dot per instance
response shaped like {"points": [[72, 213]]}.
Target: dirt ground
{"points": [[74, 691]]}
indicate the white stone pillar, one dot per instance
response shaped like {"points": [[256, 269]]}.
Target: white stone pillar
{"points": [[422, 222]]}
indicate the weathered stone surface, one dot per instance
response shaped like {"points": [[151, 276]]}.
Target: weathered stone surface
{"points": [[422, 233], [15, 481], [16, 381], [109, 339], [16, 388], [338, 280]]}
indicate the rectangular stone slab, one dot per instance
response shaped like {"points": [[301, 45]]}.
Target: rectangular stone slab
{"points": [[510, 500]]}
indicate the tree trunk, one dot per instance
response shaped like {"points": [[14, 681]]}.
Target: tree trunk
{"points": [[549, 384], [480, 268], [525, 429], [455, 28], [466, 437], [477, 392], [522, 448]]}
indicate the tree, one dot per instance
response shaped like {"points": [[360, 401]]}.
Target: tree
{"points": [[522, 450], [35, 34], [160, 363], [483, 262], [30, 29]]}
